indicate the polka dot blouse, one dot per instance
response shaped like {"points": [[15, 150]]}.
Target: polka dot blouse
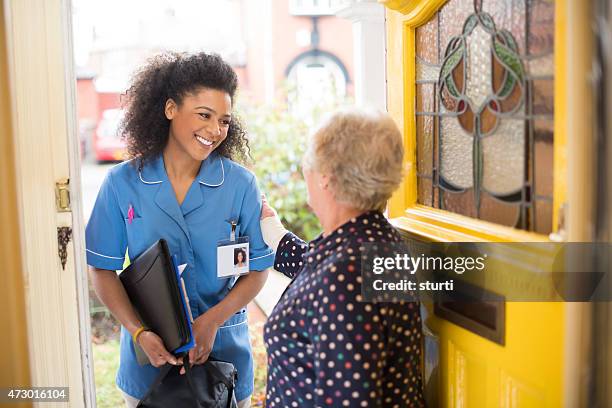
{"points": [[328, 348]]}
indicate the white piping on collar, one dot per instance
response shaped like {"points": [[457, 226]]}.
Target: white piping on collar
{"points": [[201, 182], [148, 182], [222, 176]]}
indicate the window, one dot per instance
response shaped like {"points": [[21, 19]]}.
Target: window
{"points": [[317, 80], [484, 111]]}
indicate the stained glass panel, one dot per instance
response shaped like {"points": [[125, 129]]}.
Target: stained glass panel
{"points": [[494, 102], [451, 18], [544, 213], [541, 28], [427, 42], [456, 165], [540, 66], [425, 98], [425, 137], [543, 157], [509, 15], [491, 209], [500, 212], [504, 158], [426, 72], [460, 203], [424, 187], [543, 96]]}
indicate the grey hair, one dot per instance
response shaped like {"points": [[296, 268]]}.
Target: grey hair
{"points": [[361, 151]]}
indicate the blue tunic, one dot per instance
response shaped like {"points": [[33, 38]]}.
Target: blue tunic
{"points": [[222, 191]]}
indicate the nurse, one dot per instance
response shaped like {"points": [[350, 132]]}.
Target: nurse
{"points": [[183, 185]]}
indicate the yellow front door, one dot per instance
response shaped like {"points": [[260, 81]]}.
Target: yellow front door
{"points": [[461, 73]]}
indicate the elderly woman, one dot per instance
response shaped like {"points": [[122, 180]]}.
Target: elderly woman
{"points": [[326, 346]]}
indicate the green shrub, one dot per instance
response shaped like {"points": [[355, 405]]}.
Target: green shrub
{"points": [[278, 141]]}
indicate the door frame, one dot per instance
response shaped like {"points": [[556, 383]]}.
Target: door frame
{"points": [[43, 108]]}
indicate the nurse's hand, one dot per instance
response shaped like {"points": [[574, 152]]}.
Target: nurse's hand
{"points": [[204, 331], [153, 346]]}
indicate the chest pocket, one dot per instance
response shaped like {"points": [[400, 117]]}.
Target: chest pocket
{"points": [[137, 236]]}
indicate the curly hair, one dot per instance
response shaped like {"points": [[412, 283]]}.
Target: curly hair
{"points": [[174, 76]]}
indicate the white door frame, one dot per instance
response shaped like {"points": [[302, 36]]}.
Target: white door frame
{"points": [[41, 74]]}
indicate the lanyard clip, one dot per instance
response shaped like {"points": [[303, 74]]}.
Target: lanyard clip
{"points": [[233, 233]]}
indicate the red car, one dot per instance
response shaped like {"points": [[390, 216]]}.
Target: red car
{"points": [[107, 144]]}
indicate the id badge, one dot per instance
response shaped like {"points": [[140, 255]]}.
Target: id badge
{"points": [[232, 257]]}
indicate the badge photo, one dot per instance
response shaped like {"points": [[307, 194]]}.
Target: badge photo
{"points": [[233, 257]]}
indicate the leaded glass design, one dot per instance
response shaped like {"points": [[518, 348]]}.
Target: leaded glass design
{"points": [[484, 111]]}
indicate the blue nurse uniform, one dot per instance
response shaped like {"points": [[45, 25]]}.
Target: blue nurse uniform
{"points": [[223, 191]]}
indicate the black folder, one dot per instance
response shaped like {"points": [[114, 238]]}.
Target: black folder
{"points": [[151, 283]]}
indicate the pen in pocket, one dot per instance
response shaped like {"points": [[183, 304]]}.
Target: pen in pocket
{"points": [[130, 214]]}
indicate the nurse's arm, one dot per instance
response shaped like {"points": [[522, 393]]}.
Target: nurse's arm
{"points": [[111, 293]]}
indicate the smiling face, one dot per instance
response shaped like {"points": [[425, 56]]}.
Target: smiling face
{"points": [[200, 123]]}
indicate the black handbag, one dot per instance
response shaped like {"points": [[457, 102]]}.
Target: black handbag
{"points": [[208, 385]]}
